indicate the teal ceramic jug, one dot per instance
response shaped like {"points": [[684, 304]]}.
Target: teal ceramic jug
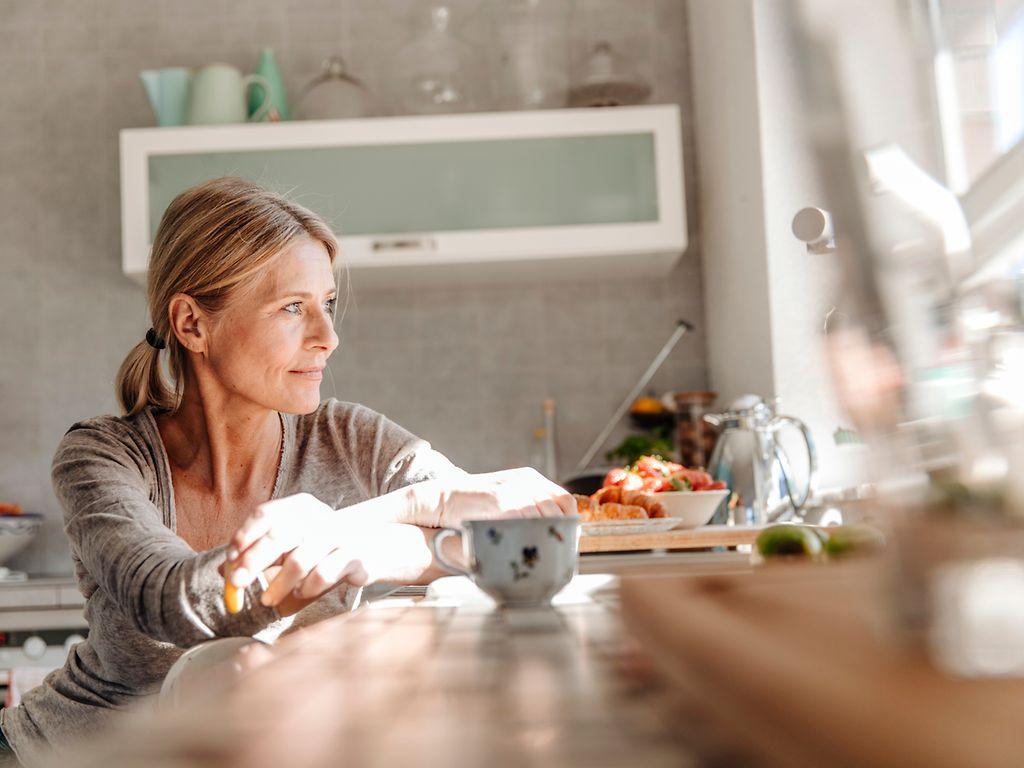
{"points": [[267, 69], [217, 94], [168, 93]]}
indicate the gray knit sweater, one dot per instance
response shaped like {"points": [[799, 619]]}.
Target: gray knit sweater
{"points": [[148, 594]]}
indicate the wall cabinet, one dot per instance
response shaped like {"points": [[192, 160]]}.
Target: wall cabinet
{"points": [[477, 196]]}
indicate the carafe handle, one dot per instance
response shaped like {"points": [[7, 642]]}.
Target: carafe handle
{"points": [[264, 108], [812, 460]]}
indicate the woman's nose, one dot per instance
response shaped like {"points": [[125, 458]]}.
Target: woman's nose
{"points": [[324, 335]]}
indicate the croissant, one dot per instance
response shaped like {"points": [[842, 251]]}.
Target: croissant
{"points": [[613, 511], [585, 505], [616, 495]]}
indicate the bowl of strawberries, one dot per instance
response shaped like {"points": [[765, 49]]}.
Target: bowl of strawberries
{"points": [[691, 495]]}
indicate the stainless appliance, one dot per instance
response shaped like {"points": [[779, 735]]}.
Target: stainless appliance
{"points": [[40, 620]]}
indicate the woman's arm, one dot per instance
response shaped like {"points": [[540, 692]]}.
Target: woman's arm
{"points": [[317, 547], [388, 553], [165, 589]]}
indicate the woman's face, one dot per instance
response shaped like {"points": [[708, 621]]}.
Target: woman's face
{"points": [[271, 343]]}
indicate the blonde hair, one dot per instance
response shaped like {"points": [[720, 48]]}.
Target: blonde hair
{"points": [[213, 240]]}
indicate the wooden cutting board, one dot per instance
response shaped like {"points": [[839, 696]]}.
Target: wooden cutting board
{"points": [[803, 666], [693, 538]]}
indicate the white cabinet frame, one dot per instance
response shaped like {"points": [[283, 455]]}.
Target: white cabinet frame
{"points": [[636, 247]]}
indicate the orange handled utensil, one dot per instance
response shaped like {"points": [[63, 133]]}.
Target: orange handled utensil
{"points": [[234, 598]]}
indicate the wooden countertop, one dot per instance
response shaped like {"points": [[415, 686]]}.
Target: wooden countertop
{"points": [[416, 682]]}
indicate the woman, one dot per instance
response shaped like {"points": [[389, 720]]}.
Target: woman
{"points": [[238, 460]]}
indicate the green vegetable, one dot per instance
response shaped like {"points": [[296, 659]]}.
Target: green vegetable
{"points": [[633, 447], [844, 540], [681, 485], [790, 541]]}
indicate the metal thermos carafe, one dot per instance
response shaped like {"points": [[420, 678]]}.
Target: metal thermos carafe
{"points": [[750, 460]]}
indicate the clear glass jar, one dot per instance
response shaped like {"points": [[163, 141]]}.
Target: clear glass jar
{"points": [[334, 94], [438, 71], [695, 438], [532, 67]]}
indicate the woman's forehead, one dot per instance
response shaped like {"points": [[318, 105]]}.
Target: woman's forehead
{"points": [[302, 268]]}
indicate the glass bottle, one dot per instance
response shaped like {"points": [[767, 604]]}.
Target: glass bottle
{"points": [[531, 46], [438, 71]]}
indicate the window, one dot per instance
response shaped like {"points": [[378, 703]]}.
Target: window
{"points": [[979, 76], [978, 48]]}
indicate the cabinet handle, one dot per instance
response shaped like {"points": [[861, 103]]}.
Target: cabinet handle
{"points": [[406, 244]]}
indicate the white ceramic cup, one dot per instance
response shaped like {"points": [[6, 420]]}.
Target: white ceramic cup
{"points": [[519, 562]]}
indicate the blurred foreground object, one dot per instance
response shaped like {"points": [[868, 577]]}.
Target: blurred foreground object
{"points": [[924, 345]]}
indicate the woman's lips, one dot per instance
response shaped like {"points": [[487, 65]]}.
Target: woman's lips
{"points": [[314, 374]]}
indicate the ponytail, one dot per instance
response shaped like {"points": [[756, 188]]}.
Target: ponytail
{"points": [[140, 381]]}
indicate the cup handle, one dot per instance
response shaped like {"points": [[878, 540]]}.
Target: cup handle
{"points": [[263, 109], [443, 534]]}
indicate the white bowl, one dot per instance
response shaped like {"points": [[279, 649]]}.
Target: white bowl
{"points": [[694, 508], [16, 531], [206, 668]]}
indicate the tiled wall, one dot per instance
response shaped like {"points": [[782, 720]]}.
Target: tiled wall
{"points": [[465, 367]]}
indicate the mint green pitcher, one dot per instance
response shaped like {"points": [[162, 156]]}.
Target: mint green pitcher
{"points": [[217, 94]]}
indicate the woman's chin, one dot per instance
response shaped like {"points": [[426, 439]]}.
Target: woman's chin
{"points": [[302, 402]]}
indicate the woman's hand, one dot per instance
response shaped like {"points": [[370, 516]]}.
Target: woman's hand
{"points": [[300, 534], [521, 492]]}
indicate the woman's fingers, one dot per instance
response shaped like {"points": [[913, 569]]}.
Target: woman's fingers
{"points": [[265, 552], [549, 508], [272, 516], [548, 498], [296, 566], [274, 529], [328, 572], [566, 503], [521, 492], [254, 527]]}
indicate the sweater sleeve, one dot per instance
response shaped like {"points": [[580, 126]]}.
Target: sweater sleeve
{"points": [[381, 455], [165, 589]]}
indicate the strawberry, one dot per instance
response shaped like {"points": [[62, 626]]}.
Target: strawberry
{"points": [[615, 477], [651, 466], [633, 482]]}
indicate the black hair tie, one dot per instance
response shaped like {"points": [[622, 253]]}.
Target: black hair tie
{"points": [[155, 341]]}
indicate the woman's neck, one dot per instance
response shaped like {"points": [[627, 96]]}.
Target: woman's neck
{"points": [[223, 445]]}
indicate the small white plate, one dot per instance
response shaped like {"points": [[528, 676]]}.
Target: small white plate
{"points": [[627, 527]]}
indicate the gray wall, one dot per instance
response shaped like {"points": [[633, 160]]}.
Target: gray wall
{"points": [[466, 368]]}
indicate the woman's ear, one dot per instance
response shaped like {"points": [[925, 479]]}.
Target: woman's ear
{"points": [[189, 323]]}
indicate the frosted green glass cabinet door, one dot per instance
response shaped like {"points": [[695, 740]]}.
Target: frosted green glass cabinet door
{"points": [[453, 189], [440, 187]]}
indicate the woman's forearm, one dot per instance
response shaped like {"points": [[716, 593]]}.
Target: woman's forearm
{"points": [[394, 552], [403, 505], [385, 553]]}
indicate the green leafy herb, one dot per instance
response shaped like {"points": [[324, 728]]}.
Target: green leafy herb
{"points": [[630, 450]]}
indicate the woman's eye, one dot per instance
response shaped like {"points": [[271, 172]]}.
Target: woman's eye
{"points": [[295, 308], [330, 305]]}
